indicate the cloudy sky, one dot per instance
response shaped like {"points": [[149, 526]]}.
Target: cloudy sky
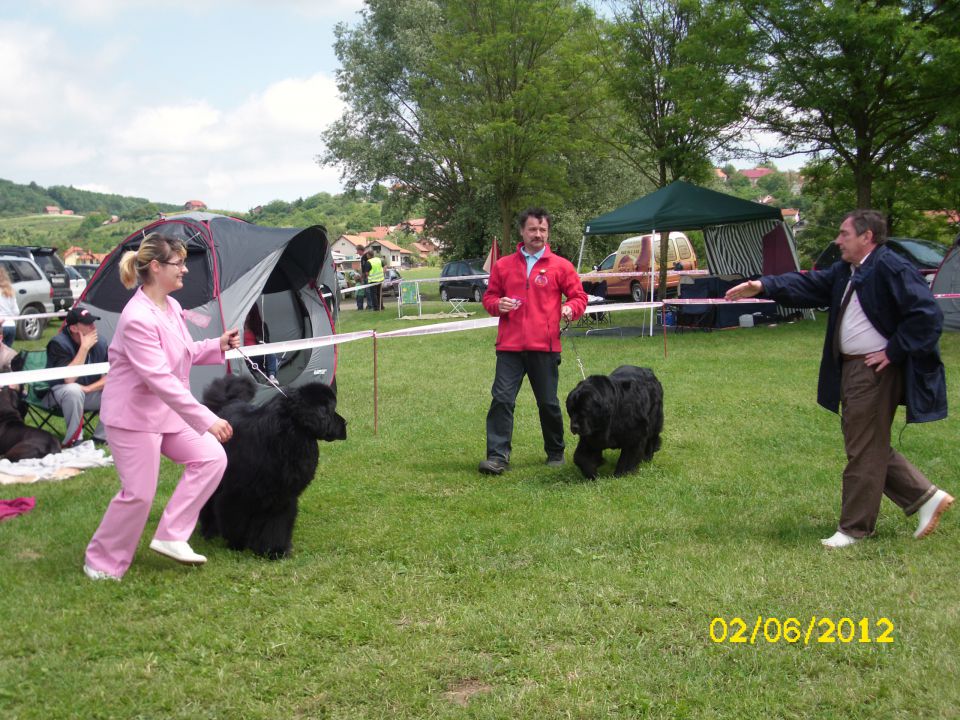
{"points": [[218, 100]]}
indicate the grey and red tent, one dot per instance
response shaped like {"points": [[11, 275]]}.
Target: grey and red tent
{"points": [[287, 272]]}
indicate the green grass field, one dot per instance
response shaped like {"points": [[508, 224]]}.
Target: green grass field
{"points": [[419, 588]]}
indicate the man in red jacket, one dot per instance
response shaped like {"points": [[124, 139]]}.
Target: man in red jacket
{"points": [[526, 291]]}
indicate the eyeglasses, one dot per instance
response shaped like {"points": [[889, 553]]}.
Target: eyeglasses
{"points": [[179, 264]]}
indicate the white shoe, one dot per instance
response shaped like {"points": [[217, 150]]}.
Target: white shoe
{"points": [[930, 513], [838, 540], [178, 550], [98, 574]]}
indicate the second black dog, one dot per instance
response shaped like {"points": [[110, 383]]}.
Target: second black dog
{"points": [[623, 410], [271, 459], [19, 441]]}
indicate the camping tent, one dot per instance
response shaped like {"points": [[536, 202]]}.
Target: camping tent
{"points": [[233, 264], [741, 237], [947, 282]]}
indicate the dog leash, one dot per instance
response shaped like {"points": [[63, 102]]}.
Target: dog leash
{"points": [[256, 368], [573, 345]]}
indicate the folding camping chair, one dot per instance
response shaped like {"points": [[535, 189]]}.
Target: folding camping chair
{"points": [[35, 393], [409, 294]]}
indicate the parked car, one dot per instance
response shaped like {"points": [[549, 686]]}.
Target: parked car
{"points": [[925, 255], [633, 255], [77, 282], [86, 270], [51, 265], [391, 282], [470, 289], [341, 280], [33, 292]]}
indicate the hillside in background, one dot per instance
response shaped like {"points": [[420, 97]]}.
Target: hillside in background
{"points": [[22, 221]]}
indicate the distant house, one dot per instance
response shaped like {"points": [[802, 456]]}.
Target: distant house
{"points": [[51, 210], [194, 205], [755, 174], [378, 233], [78, 256], [426, 248], [66, 212], [393, 255], [790, 215], [348, 245], [720, 174]]}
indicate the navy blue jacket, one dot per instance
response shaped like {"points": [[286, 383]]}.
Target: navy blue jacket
{"points": [[61, 350], [898, 303]]}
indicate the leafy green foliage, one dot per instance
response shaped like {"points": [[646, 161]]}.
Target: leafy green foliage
{"points": [[863, 81], [418, 586]]}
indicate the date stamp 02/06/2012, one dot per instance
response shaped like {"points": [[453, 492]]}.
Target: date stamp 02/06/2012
{"points": [[793, 630]]}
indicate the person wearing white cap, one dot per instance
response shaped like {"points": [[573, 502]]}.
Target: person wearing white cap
{"points": [[76, 344]]}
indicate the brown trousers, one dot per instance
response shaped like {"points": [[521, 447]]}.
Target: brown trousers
{"points": [[874, 468]]}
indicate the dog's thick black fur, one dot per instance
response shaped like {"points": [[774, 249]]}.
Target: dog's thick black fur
{"points": [[271, 459], [623, 410], [19, 441]]}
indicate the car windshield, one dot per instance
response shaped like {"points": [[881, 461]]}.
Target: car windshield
{"points": [[926, 253]]}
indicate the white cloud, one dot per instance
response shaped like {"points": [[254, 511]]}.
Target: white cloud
{"points": [[82, 116]]}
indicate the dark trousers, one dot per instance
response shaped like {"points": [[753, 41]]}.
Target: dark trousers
{"points": [[874, 468], [543, 370], [374, 296]]}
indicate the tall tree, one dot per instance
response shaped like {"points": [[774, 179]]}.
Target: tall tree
{"points": [[675, 70], [862, 80], [470, 104]]}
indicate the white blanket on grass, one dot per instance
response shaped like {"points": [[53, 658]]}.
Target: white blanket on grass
{"points": [[56, 466]]}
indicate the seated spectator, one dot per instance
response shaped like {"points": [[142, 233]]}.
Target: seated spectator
{"points": [[255, 332], [76, 344]]}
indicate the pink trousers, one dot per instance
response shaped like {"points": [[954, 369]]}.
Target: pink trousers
{"points": [[137, 459]]}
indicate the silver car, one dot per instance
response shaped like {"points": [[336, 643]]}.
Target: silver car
{"points": [[33, 292]]}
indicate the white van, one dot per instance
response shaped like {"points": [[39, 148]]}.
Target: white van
{"points": [[634, 254]]}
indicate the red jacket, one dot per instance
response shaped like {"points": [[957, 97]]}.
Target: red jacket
{"points": [[535, 325]]}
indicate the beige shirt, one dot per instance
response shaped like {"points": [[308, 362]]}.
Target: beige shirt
{"points": [[857, 335]]}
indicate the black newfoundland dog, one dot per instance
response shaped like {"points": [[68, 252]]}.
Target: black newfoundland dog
{"points": [[623, 410], [271, 459], [19, 441]]}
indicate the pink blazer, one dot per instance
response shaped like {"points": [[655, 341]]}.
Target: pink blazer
{"points": [[148, 386]]}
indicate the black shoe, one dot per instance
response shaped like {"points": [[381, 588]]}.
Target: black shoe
{"points": [[493, 466], [556, 461]]}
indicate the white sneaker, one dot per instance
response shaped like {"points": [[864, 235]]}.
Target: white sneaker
{"points": [[98, 574], [178, 550], [838, 540], [930, 513]]}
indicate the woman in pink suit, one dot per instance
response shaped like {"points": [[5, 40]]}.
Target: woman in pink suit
{"points": [[148, 411]]}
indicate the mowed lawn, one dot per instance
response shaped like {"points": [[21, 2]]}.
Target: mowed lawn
{"points": [[419, 588]]}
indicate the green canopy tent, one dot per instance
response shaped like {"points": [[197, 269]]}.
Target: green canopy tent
{"points": [[741, 237]]}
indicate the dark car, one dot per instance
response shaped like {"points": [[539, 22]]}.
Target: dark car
{"points": [[86, 270], [53, 268], [926, 256], [472, 289], [391, 282]]}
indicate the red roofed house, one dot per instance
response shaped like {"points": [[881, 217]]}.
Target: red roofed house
{"points": [[348, 245], [393, 255], [51, 210], [194, 205], [720, 174], [790, 215], [755, 174], [426, 248]]}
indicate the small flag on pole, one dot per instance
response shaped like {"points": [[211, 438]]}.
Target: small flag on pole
{"points": [[492, 256]]}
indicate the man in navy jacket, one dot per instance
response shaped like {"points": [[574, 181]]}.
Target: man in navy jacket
{"points": [[881, 350]]}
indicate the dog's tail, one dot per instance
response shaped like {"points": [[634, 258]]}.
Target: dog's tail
{"points": [[227, 389]]}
